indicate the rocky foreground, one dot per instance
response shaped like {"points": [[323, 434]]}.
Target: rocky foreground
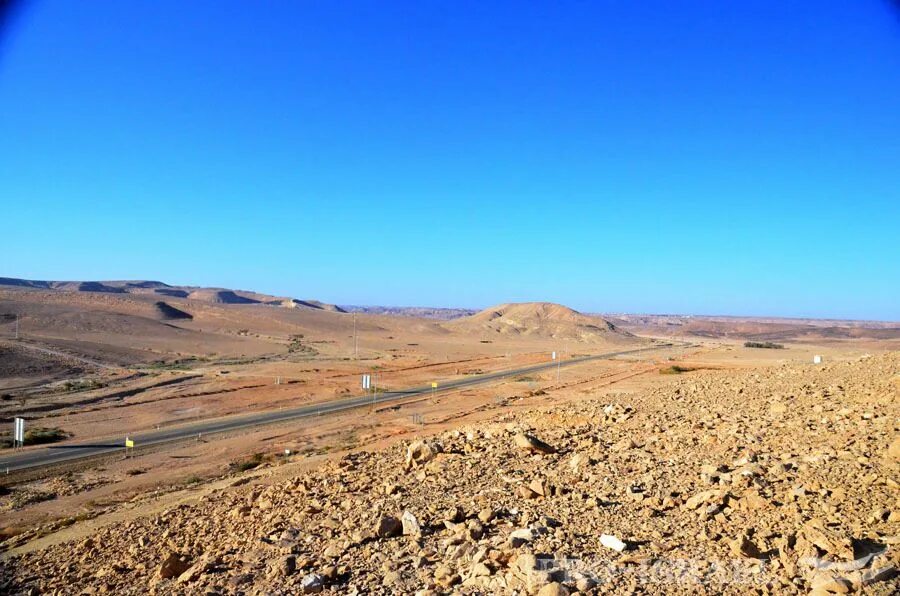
{"points": [[781, 480]]}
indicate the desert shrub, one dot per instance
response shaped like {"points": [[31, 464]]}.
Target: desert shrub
{"points": [[42, 434], [763, 344], [81, 385], [247, 464], [297, 346], [675, 370], [179, 364]]}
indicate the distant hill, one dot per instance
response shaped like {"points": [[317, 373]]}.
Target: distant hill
{"points": [[201, 294], [25, 283], [423, 312], [220, 296], [170, 313], [757, 328], [543, 319], [313, 304]]}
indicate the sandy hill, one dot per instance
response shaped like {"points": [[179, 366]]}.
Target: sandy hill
{"points": [[201, 294], [421, 312], [312, 304], [150, 321], [125, 322], [542, 319], [221, 296]]}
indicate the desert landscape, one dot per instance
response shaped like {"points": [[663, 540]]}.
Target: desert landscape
{"points": [[644, 453], [449, 298]]}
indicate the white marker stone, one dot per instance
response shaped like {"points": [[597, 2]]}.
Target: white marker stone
{"points": [[610, 541]]}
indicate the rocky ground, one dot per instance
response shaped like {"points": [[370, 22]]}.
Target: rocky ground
{"points": [[776, 480]]}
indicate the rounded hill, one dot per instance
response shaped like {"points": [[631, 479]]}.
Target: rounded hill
{"points": [[542, 319]]}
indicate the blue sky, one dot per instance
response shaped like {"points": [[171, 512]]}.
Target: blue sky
{"points": [[698, 157]]}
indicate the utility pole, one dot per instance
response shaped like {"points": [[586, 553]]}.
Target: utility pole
{"points": [[17, 326], [355, 340]]}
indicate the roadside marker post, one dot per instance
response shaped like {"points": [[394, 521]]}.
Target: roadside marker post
{"points": [[558, 364], [433, 390]]}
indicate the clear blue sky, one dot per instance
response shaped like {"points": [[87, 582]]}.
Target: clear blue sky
{"points": [[700, 157]]}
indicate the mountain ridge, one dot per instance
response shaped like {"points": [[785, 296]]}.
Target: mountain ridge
{"points": [[213, 295]]}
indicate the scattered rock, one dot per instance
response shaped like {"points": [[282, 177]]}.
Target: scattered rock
{"points": [[419, 453], [287, 565], [312, 584], [530, 443], [742, 547], [537, 487], [553, 589], [173, 566], [410, 524], [893, 450], [521, 536], [388, 526]]}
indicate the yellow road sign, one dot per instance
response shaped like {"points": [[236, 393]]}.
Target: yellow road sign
{"points": [[129, 443], [433, 385]]}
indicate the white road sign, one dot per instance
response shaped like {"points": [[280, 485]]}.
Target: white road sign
{"points": [[554, 355], [19, 431], [366, 381]]}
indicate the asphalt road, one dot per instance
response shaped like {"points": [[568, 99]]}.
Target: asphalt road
{"points": [[67, 452]]}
